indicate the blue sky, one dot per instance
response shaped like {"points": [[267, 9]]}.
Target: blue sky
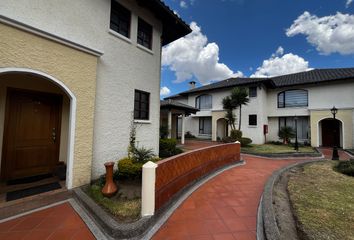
{"points": [[289, 35]]}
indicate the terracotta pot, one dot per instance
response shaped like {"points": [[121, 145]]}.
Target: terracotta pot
{"points": [[110, 188]]}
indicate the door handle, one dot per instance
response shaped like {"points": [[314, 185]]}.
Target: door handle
{"points": [[54, 134]]}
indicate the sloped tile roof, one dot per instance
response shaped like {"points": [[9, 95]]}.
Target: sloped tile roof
{"points": [[314, 76]]}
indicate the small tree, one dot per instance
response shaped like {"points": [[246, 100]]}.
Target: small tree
{"points": [[238, 97], [229, 116], [285, 133]]}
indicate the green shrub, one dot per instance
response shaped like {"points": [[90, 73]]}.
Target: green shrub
{"points": [[142, 155], [345, 167], [163, 132], [227, 140], [245, 142], [130, 169], [188, 134], [285, 133], [168, 148], [236, 134]]}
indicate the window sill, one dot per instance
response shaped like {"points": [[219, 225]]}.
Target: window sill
{"points": [[142, 121], [114, 33], [252, 126], [145, 49]]}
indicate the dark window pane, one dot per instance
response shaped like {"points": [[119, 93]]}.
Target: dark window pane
{"points": [[281, 100], [252, 92], [120, 19], [144, 34], [252, 120], [141, 105], [205, 125]]}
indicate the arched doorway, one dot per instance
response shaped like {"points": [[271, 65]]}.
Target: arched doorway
{"points": [[36, 124], [330, 132], [221, 128]]}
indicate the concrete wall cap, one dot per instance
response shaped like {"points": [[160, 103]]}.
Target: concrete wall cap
{"points": [[150, 164], [237, 142]]}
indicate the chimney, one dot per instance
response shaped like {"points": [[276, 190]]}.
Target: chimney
{"points": [[191, 85]]}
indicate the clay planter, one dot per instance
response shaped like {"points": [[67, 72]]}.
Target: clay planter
{"points": [[110, 188]]}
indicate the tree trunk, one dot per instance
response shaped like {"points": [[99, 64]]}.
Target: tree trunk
{"points": [[239, 121]]}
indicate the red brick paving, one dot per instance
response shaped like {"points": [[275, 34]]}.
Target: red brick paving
{"points": [[225, 207], [327, 152], [196, 144], [59, 222]]}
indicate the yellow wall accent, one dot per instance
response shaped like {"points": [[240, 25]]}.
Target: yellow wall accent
{"points": [[344, 115], [215, 116], [76, 69]]}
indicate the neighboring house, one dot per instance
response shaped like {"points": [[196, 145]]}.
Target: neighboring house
{"points": [[274, 102], [74, 75]]}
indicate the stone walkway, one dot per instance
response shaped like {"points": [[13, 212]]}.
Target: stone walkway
{"points": [[60, 222], [225, 207]]}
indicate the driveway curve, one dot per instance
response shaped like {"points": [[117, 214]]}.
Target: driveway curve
{"points": [[226, 206]]}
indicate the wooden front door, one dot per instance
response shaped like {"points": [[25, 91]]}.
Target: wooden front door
{"points": [[330, 133], [32, 133]]}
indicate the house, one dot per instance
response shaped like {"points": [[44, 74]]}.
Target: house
{"points": [[74, 75], [275, 102]]}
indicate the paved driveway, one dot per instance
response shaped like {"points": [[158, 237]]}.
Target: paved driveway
{"points": [[225, 207]]}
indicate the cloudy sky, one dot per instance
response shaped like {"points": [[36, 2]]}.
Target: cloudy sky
{"points": [[256, 38]]}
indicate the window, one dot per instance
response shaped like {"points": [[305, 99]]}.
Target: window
{"points": [[120, 19], [205, 125], [203, 102], [302, 126], [293, 98], [252, 120], [144, 34], [141, 105], [252, 91]]}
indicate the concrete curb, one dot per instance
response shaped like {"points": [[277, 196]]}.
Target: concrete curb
{"points": [[267, 227], [146, 227], [287, 155]]}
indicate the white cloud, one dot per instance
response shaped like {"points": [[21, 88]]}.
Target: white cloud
{"points": [[329, 34], [183, 4], [279, 64], [193, 57], [165, 91], [348, 3]]}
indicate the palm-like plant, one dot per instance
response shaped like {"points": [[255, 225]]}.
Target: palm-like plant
{"points": [[229, 116], [239, 97], [285, 133]]}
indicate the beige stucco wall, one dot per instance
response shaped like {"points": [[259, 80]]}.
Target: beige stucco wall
{"points": [[76, 69], [344, 115]]}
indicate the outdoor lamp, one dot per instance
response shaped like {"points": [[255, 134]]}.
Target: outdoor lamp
{"points": [[335, 155]]}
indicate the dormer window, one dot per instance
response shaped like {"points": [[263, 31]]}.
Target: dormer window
{"points": [[203, 102], [293, 98], [120, 19]]}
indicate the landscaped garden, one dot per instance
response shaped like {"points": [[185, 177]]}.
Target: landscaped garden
{"points": [[323, 200], [270, 148]]}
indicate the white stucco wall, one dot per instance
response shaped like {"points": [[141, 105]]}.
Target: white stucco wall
{"points": [[125, 66]]}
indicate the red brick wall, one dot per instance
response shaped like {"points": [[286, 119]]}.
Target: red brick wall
{"points": [[174, 173]]}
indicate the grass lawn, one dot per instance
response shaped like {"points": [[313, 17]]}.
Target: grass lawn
{"points": [[323, 202], [272, 148], [125, 210]]}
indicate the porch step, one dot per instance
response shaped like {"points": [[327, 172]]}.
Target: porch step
{"points": [[13, 208]]}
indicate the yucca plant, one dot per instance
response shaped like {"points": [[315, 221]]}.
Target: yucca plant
{"points": [[285, 133], [142, 154]]}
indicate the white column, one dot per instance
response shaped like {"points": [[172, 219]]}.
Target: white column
{"points": [[183, 128], [169, 124], [148, 189]]}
